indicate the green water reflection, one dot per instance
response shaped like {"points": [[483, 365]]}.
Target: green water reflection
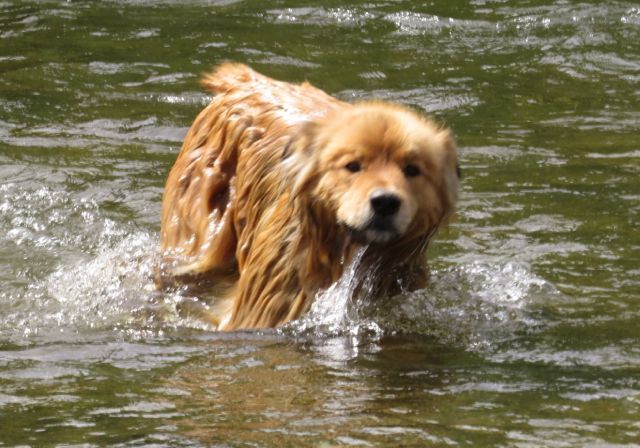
{"points": [[528, 336]]}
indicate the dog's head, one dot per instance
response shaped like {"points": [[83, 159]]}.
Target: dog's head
{"points": [[383, 172]]}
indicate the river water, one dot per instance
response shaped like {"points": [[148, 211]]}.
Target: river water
{"points": [[528, 334]]}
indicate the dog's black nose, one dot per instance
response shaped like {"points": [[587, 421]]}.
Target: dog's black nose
{"points": [[384, 203]]}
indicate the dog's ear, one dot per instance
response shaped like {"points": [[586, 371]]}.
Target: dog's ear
{"points": [[300, 157], [451, 168]]}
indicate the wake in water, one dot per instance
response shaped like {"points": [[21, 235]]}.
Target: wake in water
{"points": [[471, 305]]}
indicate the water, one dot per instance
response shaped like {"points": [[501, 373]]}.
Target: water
{"points": [[528, 333]]}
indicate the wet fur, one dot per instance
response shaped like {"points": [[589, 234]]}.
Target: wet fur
{"points": [[259, 205]]}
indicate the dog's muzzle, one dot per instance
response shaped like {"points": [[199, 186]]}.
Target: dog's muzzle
{"points": [[382, 225]]}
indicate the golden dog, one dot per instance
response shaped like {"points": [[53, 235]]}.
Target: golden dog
{"points": [[278, 185]]}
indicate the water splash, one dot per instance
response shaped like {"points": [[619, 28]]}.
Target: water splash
{"points": [[106, 290], [473, 305], [116, 291], [334, 311]]}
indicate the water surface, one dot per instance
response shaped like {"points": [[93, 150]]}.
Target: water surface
{"points": [[528, 334]]}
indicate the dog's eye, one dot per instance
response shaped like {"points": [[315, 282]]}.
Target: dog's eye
{"points": [[354, 166], [411, 170]]}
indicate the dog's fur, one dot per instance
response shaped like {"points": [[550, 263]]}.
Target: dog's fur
{"points": [[277, 185]]}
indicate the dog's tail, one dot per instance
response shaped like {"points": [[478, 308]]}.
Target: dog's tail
{"points": [[228, 76]]}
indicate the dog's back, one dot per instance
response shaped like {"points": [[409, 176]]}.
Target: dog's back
{"points": [[291, 103]]}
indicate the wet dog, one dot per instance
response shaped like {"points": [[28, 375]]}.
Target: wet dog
{"points": [[277, 185]]}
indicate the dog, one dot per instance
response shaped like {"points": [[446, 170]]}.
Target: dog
{"points": [[278, 185]]}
